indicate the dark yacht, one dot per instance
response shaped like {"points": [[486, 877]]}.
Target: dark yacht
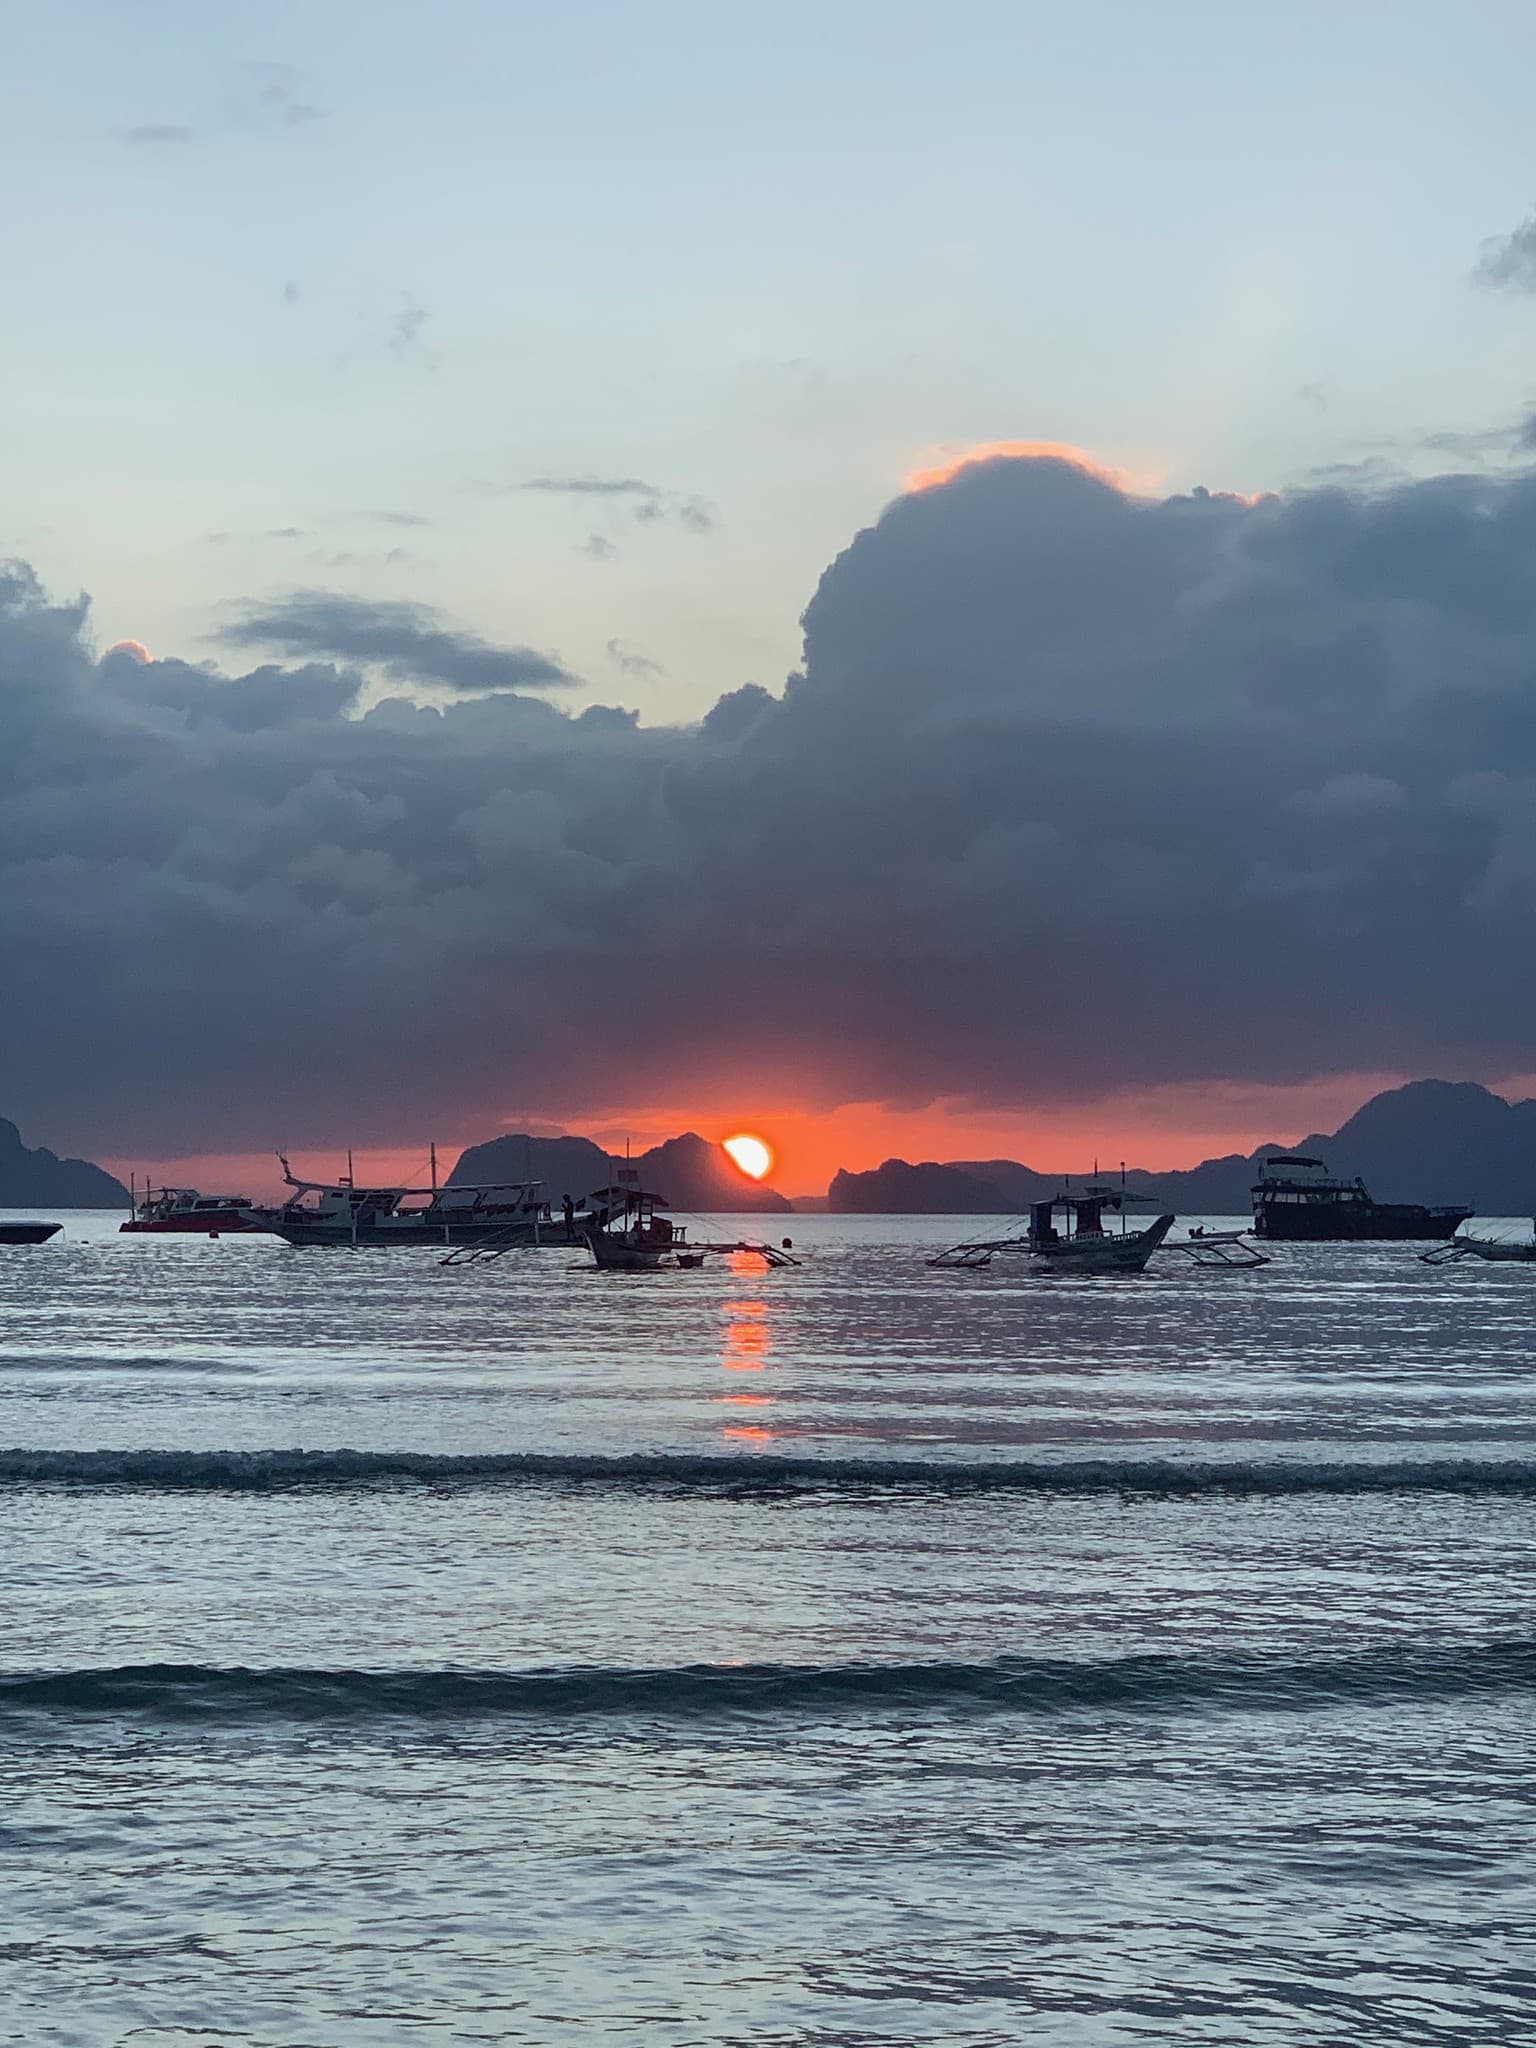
{"points": [[1295, 1198]]}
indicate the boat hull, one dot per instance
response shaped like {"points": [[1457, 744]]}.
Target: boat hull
{"points": [[1498, 1254], [1356, 1222], [1090, 1256], [28, 1233], [233, 1222], [383, 1235], [613, 1253]]}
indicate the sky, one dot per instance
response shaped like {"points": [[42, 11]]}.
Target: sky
{"points": [[482, 413]]}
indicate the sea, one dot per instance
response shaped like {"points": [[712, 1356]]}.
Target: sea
{"points": [[855, 1653]]}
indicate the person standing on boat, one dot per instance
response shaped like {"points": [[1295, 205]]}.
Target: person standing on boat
{"points": [[570, 1214]]}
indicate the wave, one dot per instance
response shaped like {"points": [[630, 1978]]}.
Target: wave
{"points": [[211, 1695], [756, 1476]]}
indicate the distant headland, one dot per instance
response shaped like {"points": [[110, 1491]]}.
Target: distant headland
{"points": [[1427, 1141], [39, 1178]]}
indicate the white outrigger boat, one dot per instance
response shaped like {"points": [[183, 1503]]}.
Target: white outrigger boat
{"points": [[1498, 1251], [1083, 1246], [341, 1212]]}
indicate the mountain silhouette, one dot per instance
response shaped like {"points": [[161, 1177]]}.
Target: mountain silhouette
{"points": [[40, 1179], [688, 1172], [898, 1188], [1427, 1141]]}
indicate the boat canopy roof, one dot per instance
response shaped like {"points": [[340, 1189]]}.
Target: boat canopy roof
{"points": [[634, 1196]]}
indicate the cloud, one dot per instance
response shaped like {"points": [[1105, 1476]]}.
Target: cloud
{"points": [[355, 558], [275, 96], [1508, 262], [262, 96], [156, 134], [406, 642], [266, 533], [696, 514], [599, 547], [594, 487], [651, 506], [405, 332], [1075, 792], [633, 663]]}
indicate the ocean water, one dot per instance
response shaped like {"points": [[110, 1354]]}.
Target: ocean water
{"points": [[858, 1654]]}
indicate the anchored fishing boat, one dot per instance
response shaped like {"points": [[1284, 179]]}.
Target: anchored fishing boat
{"points": [[626, 1233], [1294, 1198], [343, 1213], [1497, 1251], [187, 1212], [1082, 1245], [1217, 1251]]}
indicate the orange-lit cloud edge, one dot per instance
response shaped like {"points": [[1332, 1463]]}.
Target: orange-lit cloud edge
{"points": [[945, 465]]}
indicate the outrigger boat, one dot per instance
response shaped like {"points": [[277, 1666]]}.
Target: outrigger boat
{"points": [[626, 1233], [341, 1212], [1498, 1251], [1084, 1246], [1217, 1250]]}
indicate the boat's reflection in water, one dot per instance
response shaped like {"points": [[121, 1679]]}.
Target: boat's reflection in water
{"points": [[745, 1348]]}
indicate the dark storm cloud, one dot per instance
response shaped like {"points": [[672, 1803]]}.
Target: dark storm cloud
{"points": [[1075, 792], [407, 642], [1508, 262]]}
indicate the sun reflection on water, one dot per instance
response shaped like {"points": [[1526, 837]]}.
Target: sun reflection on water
{"points": [[745, 1346]]}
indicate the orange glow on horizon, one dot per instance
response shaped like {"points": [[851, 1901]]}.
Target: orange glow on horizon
{"points": [[1169, 1126], [947, 466]]}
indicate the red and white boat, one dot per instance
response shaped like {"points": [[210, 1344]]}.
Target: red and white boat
{"points": [[187, 1212]]}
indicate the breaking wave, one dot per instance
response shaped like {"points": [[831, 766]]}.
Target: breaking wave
{"points": [[755, 1476], [196, 1693]]}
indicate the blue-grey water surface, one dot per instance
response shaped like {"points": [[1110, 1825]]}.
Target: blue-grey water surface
{"points": [[857, 1654]]}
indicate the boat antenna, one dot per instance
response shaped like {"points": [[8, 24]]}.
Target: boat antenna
{"points": [[433, 1149], [351, 1182]]}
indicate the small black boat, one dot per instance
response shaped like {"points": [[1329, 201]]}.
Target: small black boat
{"points": [[28, 1233]]}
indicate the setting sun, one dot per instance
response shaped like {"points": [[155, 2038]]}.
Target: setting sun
{"points": [[750, 1154]]}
